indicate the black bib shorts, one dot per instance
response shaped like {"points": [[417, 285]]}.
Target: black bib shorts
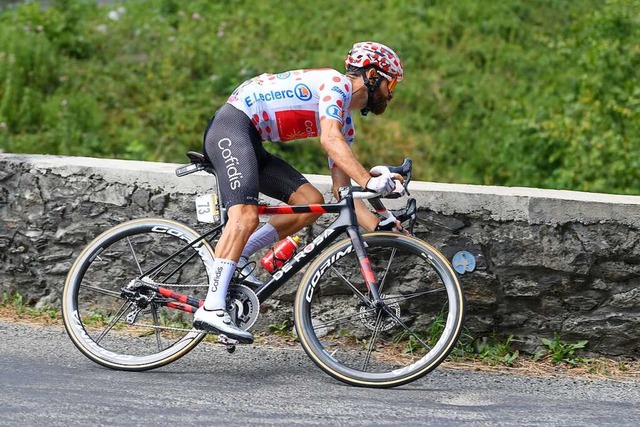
{"points": [[243, 167]]}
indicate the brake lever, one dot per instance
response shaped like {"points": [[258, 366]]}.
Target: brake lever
{"points": [[407, 214], [405, 169]]}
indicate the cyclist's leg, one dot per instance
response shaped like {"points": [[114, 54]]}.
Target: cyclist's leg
{"points": [[234, 148], [280, 180], [230, 144], [283, 182]]}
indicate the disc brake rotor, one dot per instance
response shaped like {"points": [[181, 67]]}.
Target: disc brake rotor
{"points": [[369, 317]]}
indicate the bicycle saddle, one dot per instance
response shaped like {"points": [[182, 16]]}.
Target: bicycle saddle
{"points": [[198, 163], [197, 158]]}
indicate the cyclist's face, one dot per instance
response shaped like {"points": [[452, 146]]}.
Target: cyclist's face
{"points": [[381, 97], [389, 87]]}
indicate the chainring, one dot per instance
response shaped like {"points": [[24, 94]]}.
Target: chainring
{"points": [[243, 306]]}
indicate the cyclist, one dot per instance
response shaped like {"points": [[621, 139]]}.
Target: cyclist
{"points": [[283, 107]]}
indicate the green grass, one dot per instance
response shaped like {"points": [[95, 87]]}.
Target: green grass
{"points": [[496, 352], [283, 328], [541, 93], [14, 305]]}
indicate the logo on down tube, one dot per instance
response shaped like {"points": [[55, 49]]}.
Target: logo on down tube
{"points": [[319, 272]]}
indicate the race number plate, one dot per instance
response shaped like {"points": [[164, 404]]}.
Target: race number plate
{"points": [[207, 208]]}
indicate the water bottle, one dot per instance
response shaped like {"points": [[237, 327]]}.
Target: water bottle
{"points": [[276, 257]]}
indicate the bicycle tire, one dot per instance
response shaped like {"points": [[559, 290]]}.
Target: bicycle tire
{"points": [[364, 346], [96, 314]]}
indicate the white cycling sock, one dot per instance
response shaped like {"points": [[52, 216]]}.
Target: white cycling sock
{"points": [[265, 236], [223, 270]]}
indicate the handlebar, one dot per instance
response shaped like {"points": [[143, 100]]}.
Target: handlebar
{"points": [[405, 170], [374, 199]]}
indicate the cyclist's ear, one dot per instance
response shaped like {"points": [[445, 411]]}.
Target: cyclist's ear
{"points": [[372, 74]]}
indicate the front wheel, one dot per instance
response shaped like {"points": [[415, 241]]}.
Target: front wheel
{"points": [[121, 325], [387, 343]]}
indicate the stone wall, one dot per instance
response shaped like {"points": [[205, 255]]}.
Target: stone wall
{"points": [[548, 261]]}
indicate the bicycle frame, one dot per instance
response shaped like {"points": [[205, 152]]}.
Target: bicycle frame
{"points": [[345, 223]]}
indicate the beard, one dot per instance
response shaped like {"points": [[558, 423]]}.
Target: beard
{"points": [[378, 103]]}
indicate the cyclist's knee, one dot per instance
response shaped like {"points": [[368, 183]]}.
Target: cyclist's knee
{"points": [[244, 215], [306, 194]]}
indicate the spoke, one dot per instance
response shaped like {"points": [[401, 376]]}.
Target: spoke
{"points": [[154, 314], [103, 291], [352, 286], [372, 342], [409, 296], [340, 319], [386, 271], [175, 270], [406, 328], [134, 254], [123, 308]]}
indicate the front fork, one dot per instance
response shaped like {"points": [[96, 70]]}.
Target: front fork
{"points": [[365, 264]]}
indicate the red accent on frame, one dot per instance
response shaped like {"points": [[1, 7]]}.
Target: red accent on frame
{"points": [[317, 209], [367, 272], [287, 209], [165, 292], [181, 306], [179, 297], [171, 294]]}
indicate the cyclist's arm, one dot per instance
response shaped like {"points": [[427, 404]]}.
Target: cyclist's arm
{"points": [[366, 218], [336, 146]]}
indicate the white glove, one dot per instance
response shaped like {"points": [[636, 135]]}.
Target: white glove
{"points": [[383, 184], [379, 170]]}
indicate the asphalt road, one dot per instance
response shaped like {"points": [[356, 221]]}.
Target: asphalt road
{"points": [[44, 380]]}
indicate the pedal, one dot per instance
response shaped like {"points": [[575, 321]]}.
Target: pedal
{"points": [[223, 339], [230, 343]]}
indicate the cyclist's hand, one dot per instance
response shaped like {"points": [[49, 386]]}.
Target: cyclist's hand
{"points": [[391, 224], [380, 171], [383, 184]]}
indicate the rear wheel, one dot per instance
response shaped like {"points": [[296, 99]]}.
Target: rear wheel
{"points": [[386, 344], [116, 322]]}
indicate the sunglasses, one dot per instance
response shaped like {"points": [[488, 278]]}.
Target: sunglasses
{"points": [[393, 81]]}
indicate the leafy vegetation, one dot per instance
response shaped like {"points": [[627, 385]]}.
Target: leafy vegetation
{"points": [[283, 328], [541, 93], [494, 351], [15, 306], [561, 352]]}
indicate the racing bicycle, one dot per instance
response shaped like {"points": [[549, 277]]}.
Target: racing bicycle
{"points": [[378, 309]]}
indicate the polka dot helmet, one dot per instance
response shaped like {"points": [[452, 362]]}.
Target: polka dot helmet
{"points": [[364, 54]]}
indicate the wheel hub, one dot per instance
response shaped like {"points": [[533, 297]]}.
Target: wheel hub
{"points": [[369, 316]]}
